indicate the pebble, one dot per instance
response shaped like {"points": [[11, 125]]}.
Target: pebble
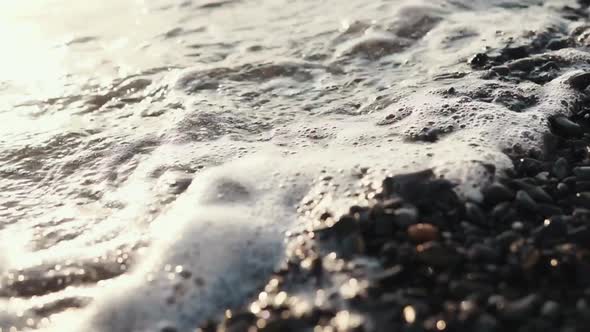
{"points": [[503, 211], [475, 214], [406, 216], [582, 172], [409, 186], [421, 233], [518, 226], [580, 236], [521, 309], [565, 127], [486, 323], [525, 201], [560, 168], [550, 309], [435, 254], [535, 192], [496, 193], [562, 189], [479, 60]]}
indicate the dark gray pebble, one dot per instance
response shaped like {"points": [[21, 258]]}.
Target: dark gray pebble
{"points": [[486, 323], [525, 201], [503, 212], [435, 254], [480, 252], [580, 235], [521, 309], [549, 210], [562, 189], [565, 127], [410, 186], [475, 214], [406, 216], [504, 239], [479, 60], [536, 192], [560, 168], [550, 309], [581, 214], [582, 185], [496, 193], [517, 226], [582, 172], [389, 276]]}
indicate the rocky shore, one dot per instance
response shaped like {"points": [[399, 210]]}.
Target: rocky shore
{"points": [[419, 257]]}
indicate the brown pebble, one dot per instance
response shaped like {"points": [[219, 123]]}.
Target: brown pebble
{"points": [[421, 233]]}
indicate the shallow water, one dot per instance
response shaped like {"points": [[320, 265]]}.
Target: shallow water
{"points": [[153, 153]]}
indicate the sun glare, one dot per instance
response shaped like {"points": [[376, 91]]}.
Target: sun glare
{"points": [[28, 55]]}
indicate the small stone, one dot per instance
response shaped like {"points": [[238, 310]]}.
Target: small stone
{"points": [[521, 309], [562, 189], [390, 276], [486, 323], [406, 216], [525, 201], [536, 192], [421, 233], [560, 168], [582, 305], [580, 236], [474, 214], [550, 145], [550, 309], [167, 327], [549, 210], [582, 185], [502, 70], [563, 126], [410, 186], [435, 254], [384, 223], [582, 172], [480, 252], [583, 199], [496, 193], [558, 43], [530, 166], [479, 60], [517, 52], [503, 212], [581, 214], [504, 239], [517, 226]]}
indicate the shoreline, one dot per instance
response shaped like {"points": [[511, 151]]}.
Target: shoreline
{"points": [[420, 258]]}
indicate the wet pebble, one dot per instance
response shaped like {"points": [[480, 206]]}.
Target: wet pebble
{"points": [[406, 216], [560, 168], [521, 309], [565, 127], [525, 201], [582, 172], [475, 214], [550, 309], [421, 233], [435, 254], [496, 193]]}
